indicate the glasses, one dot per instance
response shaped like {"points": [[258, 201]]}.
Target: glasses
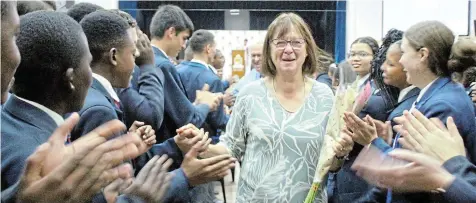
{"points": [[360, 54], [295, 43]]}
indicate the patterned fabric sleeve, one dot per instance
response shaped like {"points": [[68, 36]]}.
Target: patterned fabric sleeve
{"points": [[236, 133]]}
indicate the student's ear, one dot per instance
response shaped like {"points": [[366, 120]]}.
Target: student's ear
{"points": [[113, 56], [171, 32], [69, 79], [424, 53]]}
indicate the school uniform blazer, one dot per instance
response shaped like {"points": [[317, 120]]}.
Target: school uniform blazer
{"points": [[377, 194], [442, 99], [463, 188], [349, 186], [194, 76], [324, 78], [143, 100], [446, 98], [99, 108], [179, 111], [24, 128]]}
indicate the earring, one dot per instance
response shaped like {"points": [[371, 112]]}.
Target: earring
{"points": [[71, 86]]}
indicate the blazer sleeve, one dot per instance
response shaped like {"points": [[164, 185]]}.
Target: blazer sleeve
{"points": [[178, 188], [177, 106], [217, 119], [168, 147], [463, 188], [442, 110], [146, 103], [460, 191], [9, 195], [92, 118]]}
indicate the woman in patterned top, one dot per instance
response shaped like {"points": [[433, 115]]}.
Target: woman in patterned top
{"points": [[278, 124]]}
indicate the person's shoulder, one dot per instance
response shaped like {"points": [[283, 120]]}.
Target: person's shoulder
{"points": [[254, 88], [94, 98], [319, 88]]}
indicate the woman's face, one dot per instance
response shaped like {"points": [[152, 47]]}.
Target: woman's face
{"points": [[411, 61], [289, 53], [393, 73], [360, 56]]}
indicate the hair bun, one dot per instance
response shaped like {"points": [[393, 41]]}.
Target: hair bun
{"points": [[463, 55]]}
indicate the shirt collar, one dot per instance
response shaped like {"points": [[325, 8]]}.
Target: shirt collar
{"points": [[107, 85], [165, 54], [361, 81], [55, 116], [422, 92], [404, 92], [200, 62], [213, 69]]}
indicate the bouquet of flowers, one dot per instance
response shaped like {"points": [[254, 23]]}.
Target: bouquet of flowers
{"points": [[344, 101]]}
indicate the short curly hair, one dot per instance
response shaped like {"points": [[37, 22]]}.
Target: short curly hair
{"points": [[78, 11], [49, 43], [104, 31]]}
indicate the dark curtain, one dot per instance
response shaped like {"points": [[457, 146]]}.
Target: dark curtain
{"points": [[209, 20], [322, 25]]}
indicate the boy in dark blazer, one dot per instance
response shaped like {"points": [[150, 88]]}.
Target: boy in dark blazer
{"points": [[196, 73], [170, 28]]}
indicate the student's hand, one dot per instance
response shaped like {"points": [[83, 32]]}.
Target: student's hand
{"points": [[189, 137], [199, 171], [344, 144], [146, 56], [144, 132], [229, 99], [402, 171], [362, 132], [55, 174], [152, 181], [212, 100], [430, 136]]}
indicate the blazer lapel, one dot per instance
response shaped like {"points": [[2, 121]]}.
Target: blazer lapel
{"points": [[30, 114], [97, 86], [414, 92], [438, 84], [158, 53]]}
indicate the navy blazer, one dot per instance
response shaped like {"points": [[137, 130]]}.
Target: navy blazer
{"points": [[324, 78], [405, 104], [446, 98], [24, 128], [377, 194], [348, 185], [99, 108], [442, 99], [179, 111], [143, 100], [463, 188], [194, 76]]}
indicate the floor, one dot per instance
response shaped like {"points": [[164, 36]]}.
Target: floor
{"points": [[230, 187]]}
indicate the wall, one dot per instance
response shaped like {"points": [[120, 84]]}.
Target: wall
{"points": [[472, 17], [107, 4], [237, 22], [375, 17], [364, 18]]}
